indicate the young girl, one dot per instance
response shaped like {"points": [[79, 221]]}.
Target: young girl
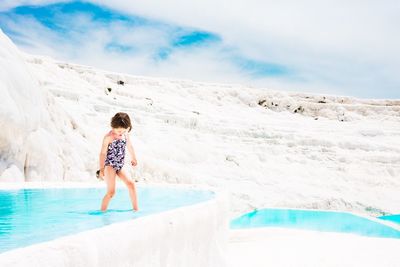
{"points": [[112, 157]]}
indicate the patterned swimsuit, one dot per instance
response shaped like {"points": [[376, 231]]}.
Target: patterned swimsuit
{"points": [[116, 154]]}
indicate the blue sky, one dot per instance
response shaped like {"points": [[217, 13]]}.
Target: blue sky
{"points": [[257, 43]]}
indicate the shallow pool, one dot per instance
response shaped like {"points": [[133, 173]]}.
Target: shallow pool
{"points": [[392, 218], [29, 216], [329, 221]]}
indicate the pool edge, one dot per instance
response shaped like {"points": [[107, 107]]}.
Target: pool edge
{"points": [[203, 227]]}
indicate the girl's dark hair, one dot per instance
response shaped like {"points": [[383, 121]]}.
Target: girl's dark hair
{"points": [[121, 120]]}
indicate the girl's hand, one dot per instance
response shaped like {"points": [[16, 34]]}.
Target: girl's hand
{"points": [[134, 162], [101, 174]]}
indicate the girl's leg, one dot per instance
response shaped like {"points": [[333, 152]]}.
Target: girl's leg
{"points": [[109, 177], [131, 187]]}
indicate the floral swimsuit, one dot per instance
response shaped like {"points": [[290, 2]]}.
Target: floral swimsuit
{"points": [[116, 154]]}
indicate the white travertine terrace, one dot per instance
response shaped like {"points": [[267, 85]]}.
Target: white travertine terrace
{"points": [[195, 235]]}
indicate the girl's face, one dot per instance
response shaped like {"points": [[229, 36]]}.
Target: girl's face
{"points": [[119, 131]]}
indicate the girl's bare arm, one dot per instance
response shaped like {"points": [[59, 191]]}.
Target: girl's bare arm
{"points": [[130, 147], [103, 151]]}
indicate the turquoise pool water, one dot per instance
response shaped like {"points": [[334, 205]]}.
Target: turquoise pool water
{"points": [[328, 221], [30, 216], [392, 218]]}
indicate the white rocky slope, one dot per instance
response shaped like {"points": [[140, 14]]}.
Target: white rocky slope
{"points": [[269, 148]]}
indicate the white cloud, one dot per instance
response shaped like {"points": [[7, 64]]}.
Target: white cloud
{"points": [[338, 43], [38, 39], [9, 4], [349, 47]]}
